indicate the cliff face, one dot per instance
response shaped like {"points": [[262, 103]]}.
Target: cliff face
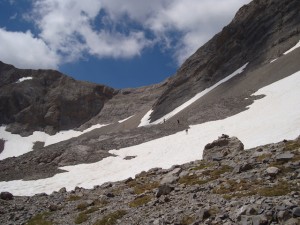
{"points": [[47, 100], [260, 31]]}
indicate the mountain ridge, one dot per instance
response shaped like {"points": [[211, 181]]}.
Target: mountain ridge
{"points": [[250, 174]]}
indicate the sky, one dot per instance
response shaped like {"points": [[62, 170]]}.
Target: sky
{"points": [[120, 43]]}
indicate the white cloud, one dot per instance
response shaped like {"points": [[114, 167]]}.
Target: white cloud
{"points": [[25, 51], [67, 27], [197, 20], [70, 29]]}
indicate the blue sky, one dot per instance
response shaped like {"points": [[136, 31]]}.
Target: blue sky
{"points": [[120, 43]]}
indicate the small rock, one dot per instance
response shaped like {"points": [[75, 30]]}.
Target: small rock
{"points": [[62, 190], [53, 208], [284, 157], [282, 216], [296, 212], [260, 220], [6, 196], [163, 190], [110, 195], [169, 179], [272, 170]]}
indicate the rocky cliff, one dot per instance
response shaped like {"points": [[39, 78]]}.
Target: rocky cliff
{"points": [[260, 31], [47, 100]]}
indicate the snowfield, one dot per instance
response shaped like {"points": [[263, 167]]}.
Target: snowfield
{"points": [[270, 119], [16, 145]]}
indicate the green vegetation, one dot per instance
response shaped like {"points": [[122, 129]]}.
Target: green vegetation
{"points": [[282, 188], [192, 180], [249, 188], [111, 218], [262, 157], [73, 198], [82, 217], [140, 188], [218, 172], [100, 203], [215, 174], [237, 189], [203, 165], [40, 219], [187, 220], [211, 174], [292, 145], [82, 206], [140, 201], [91, 210]]}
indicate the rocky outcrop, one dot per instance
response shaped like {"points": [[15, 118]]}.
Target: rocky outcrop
{"points": [[199, 192], [260, 31], [50, 101], [222, 147]]}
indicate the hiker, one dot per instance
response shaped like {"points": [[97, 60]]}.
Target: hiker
{"points": [[186, 131], [178, 122], [164, 120]]}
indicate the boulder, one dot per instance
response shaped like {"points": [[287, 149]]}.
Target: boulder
{"points": [[163, 190], [6, 196], [223, 147]]}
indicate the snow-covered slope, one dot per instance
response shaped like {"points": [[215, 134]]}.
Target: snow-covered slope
{"points": [[270, 119], [16, 145]]}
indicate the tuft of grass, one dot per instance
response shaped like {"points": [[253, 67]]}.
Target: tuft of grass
{"points": [[82, 217], [187, 220], [82, 206], [262, 157], [291, 145], [101, 203], [73, 198], [111, 218], [203, 165], [192, 180], [215, 174], [40, 219], [140, 201], [283, 188], [91, 210], [237, 189], [140, 188]]}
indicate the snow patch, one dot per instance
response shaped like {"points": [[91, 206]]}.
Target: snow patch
{"points": [[23, 79], [146, 119], [16, 145], [270, 119], [121, 121], [292, 49], [273, 60]]}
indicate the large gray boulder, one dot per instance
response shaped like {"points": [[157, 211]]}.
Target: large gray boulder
{"points": [[222, 147]]}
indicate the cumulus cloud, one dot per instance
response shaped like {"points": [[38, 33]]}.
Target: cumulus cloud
{"points": [[68, 27], [71, 29], [26, 51]]}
